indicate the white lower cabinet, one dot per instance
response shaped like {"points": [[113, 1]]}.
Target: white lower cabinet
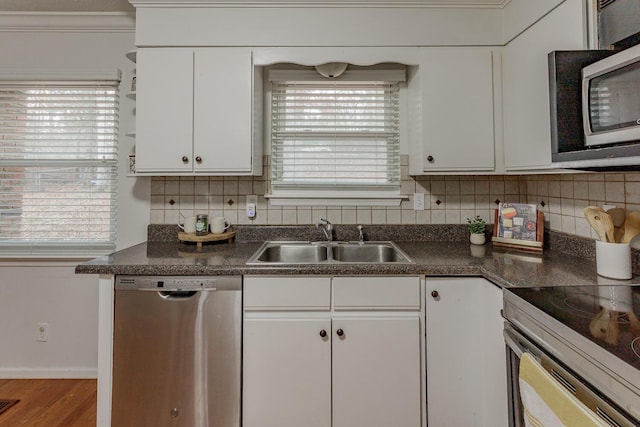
{"points": [[376, 371], [349, 356], [466, 362], [287, 372]]}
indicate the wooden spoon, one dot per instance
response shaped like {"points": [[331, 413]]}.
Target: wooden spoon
{"points": [[593, 216], [631, 226]]}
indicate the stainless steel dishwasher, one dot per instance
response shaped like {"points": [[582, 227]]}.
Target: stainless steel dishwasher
{"points": [[177, 351]]}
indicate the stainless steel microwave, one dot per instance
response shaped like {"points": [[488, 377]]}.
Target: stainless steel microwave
{"points": [[595, 109], [611, 99]]}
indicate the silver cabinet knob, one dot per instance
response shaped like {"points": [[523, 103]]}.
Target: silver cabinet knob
{"points": [[185, 159], [198, 159]]}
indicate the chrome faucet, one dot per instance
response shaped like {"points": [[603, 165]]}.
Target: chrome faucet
{"points": [[327, 228], [360, 235]]}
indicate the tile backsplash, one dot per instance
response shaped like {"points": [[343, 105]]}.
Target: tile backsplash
{"points": [[449, 199]]}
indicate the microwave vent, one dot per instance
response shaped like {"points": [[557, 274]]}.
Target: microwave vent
{"points": [[604, 3]]}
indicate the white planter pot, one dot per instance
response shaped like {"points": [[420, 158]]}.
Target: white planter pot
{"points": [[477, 239]]}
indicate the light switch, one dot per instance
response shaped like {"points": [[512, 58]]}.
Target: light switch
{"points": [[252, 202], [418, 201]]}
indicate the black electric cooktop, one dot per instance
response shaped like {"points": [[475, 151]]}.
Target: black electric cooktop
{"points": [[606, 315]]}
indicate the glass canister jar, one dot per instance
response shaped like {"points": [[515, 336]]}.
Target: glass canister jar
{"points": [[202, 225]]}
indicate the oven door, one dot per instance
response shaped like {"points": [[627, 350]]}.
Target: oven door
{"points": [[517, 344]]}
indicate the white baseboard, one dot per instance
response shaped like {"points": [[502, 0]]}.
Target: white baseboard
{"points": [[48, 373]]}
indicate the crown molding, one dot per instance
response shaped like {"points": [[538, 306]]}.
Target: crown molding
{"points": [[455, 4], [85, 22]]}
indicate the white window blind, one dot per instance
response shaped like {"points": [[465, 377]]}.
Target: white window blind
{"points": [[335, 135], [58, 167]]}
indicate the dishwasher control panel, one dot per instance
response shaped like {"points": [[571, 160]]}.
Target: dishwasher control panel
{"points": [[177, 283]]}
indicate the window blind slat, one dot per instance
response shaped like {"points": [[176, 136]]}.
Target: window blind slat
{"points": [[342, 134], [58, 167]]}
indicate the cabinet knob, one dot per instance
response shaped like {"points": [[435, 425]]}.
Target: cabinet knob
{"points": [[323, 333], [435, 294], [430, 159], [199, 159], [185, 159], [340, 332]]}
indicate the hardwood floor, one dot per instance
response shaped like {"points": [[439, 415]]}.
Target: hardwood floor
{"points": [[49, 403]]}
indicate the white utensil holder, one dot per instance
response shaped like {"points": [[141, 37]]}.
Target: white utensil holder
{"points": [[613, 260]]}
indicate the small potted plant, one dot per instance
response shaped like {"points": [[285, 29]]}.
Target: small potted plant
{"points": [[477, 227]]}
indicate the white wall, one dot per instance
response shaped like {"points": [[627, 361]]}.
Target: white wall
{"points": [[50, 292], [34, 293], [313, 26]]}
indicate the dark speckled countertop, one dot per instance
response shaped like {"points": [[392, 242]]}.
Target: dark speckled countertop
{"points": [[438, 251]]}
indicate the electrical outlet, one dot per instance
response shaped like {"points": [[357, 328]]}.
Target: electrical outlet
{"points": [[418, 201], [43, 332]]}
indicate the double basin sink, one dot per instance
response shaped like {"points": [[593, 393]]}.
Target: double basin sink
{"points": [[274, 252]]}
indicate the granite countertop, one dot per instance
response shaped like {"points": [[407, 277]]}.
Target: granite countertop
{"points": [[452, 257]]}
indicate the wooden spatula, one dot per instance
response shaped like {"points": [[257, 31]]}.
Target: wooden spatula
{"points": [[631, 226], [617, 216], [593, 214]]}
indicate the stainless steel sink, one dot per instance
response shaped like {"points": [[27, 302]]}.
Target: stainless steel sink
{"points": [[368, 252], [280, 253], [292, 253]]}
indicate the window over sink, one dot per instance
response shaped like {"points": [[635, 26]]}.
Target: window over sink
{"points": [[58, 166], [335, 140]]}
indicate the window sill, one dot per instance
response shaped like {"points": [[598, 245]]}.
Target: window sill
{"points": [[333, 199]]}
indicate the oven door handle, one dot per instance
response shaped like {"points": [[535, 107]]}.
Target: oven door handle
{"points": [[515, 344]]}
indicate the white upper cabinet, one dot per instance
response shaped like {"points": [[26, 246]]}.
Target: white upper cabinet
{"points": [[527, 134], [451, 111], [195, 112], [164, 110]]}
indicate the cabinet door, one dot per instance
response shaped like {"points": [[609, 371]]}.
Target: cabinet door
{"points": [[376, 371], [457, 103], [527, 134], [466, 364], [286, 372], [223, 108], [164, 110]]}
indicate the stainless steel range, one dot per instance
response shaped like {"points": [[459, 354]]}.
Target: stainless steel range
{"points": [[588, 337]]}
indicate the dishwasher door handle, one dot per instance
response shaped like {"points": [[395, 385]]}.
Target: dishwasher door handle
{"points": [[177, 295]]}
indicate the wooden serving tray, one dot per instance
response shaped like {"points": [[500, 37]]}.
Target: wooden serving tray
{"points": [[211, 237]]}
